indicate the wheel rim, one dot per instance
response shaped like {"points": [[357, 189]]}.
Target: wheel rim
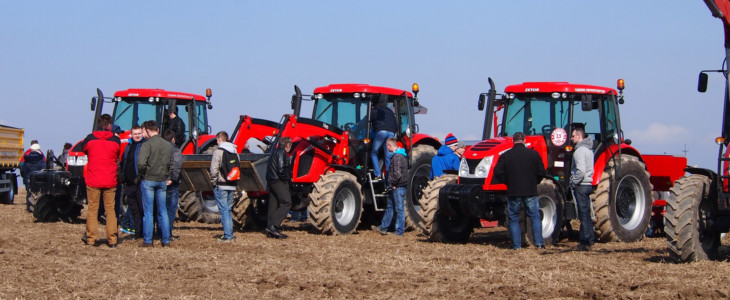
{"points": [[630, 202], [344, 206], [549, 215], [418, 183]]}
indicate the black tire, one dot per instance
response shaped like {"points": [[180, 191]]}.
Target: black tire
{"points": [[448, 229], [249, 213], [200, 207], [623, 207], [689, 211], [418, 178], [9, 196], [551, 214], [429, 201], [68, 210], [44, 209], [335, 203]]}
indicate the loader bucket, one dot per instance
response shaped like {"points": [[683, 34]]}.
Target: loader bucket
{"points": [[195, 172]]}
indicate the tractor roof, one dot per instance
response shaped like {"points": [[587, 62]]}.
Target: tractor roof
{"points": [[359, 88], [158, 93], [562, 87]]}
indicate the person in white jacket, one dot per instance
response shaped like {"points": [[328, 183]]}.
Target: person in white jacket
{"points": [[581, 177]]}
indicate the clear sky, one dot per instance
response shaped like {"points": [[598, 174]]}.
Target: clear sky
{"points": [[54, 54]]}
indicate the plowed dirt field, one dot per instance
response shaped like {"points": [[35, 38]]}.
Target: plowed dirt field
{"points": [[49, 260]]}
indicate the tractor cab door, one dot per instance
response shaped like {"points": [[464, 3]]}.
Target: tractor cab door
{"points": [[598, 115]]}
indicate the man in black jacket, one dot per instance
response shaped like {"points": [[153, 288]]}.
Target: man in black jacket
{"points": [[385, 126], [177, 126], [278, 174], [522, 170]]}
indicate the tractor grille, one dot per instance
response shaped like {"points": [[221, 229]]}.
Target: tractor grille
{"points": [[76, 171], [484, 146], [305, 163], [472, 163], [468, 180]]}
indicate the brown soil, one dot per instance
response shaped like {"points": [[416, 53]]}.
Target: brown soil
{"points": [[48, 260]]}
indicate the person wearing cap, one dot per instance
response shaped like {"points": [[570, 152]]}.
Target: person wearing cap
{"points": [[447, 157], [177, 126], [521, 169], [384, 125], [33, 160]]}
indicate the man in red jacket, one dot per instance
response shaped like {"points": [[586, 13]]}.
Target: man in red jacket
{"points": [[102, 148]]}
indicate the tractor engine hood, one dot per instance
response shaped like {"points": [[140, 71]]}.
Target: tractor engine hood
{"points": [[477, 165]]}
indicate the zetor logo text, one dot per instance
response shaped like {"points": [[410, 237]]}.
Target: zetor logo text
{"points": [[532, 89], [335, 90]]}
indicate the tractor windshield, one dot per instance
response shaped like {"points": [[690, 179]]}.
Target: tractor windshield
{"points": [[534, 114], [344, 111], [135, 111]]}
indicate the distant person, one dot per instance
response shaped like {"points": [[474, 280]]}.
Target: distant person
{"points": [[224, 189], [397, 181], [278, 175], [33, 160], [522, 170], [102, 149], [385, 126], [177, 126], [63, 158], [132, 194], [447, 157], [154, 164], [581, 180], [173, 194], [22, 158]]}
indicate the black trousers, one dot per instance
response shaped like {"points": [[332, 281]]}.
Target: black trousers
{"points": [[133, 195], [279, 202]]}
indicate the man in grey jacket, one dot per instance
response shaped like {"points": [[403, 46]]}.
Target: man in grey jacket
{"points": [[154, 165], [224, 190], [581, 178]]}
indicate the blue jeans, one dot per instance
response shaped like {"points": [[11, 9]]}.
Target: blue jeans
{"points": [[379, 142], [224, 198], [153, 195], [532, 209], [172, 196], [583, 201], [396, 199]]}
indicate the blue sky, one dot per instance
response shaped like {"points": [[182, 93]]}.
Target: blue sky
{"points": [[251, 53]]}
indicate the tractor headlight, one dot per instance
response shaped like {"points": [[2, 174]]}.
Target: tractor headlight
{"points": [[77, 160], [463, 168], [483, 167]]}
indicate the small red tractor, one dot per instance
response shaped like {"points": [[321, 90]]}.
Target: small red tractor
{"points": [[698, 211], [331, 165], [546, 112], [60, 194]]}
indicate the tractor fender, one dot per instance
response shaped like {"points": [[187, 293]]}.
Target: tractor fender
{"points": [[607, 155], [421, 139]]}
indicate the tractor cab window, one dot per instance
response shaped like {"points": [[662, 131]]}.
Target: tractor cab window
{"points": [[534, 114], [609, 119], [405, 114], [344, 111], [135, 111], [591, 118]]}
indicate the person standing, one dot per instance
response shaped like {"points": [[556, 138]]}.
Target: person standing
{"points": [[173, 194], [397, 181], [102, 149], [64, 155], [581, 178], [154, 164], [384, 125], [129, 178], [224, 189], [447, 157], [32, 160], [522, 170], [177, 126], [278, 174]]}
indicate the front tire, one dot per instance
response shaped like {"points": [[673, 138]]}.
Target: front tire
{"points": [[336, 203], [44, 209], [623, 207], [689, 209], [418, 179], [551, 214], [430, 200], [199, 206]]}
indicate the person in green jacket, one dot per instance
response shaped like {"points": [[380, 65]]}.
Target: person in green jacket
{"points": [[154, 165]]}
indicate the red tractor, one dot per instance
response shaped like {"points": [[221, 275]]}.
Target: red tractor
{"points": [[60, 194], [699, 210], [331, 175], [547, 112]]}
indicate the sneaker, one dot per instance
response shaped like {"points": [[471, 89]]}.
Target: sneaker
{"points": [[127, 230], [174, 237], [164, 245], [378, 178], [541, 247], [225, 240], [378, 230], [146, 245], [583, 247]]}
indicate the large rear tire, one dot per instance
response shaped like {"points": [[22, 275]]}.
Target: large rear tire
{"points": [[689, 209], [418, 178], [200, 207], [551, 214], [623, 207], [430, 200], [336, 203]]}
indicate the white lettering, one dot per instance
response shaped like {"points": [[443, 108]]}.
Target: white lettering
{"points": [[335, 90], [532, 90]]}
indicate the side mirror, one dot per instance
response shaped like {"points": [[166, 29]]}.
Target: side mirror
{"points": [[296, 100], [93, 103], [702, 83], [586, 102], [482, 100]]}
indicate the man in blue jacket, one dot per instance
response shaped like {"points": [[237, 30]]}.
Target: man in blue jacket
{"points": [[448, 157]]}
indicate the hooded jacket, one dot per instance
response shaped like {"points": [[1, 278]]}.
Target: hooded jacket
{"points": [[398, 173], [216, 178], [445, 159], [581, 172], [102, 149]]}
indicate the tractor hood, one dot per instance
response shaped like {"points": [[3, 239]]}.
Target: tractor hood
{"points": [[477, 165]]}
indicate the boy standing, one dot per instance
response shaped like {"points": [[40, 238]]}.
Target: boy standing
{"points": [[397, 174]]}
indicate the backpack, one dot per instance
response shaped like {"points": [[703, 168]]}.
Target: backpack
{"points": [[230, 167]]}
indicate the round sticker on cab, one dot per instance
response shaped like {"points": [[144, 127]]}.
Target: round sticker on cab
{"points": [[559, 136]]}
